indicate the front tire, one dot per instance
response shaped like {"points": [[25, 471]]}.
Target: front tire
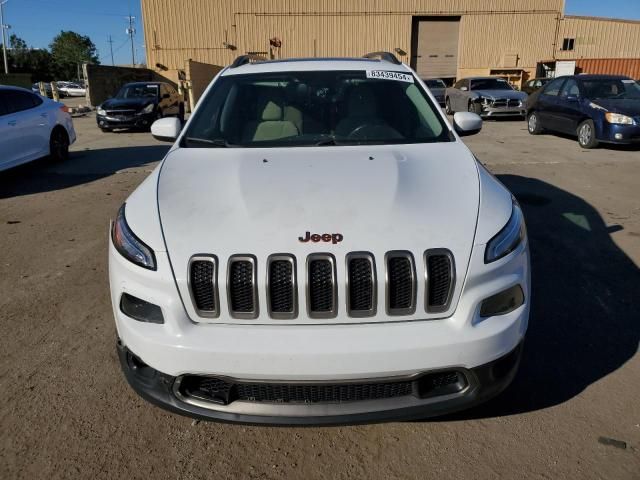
{"points": [[447, 107], [474, 108], [587, 134], [533, 124], [59, 145]]}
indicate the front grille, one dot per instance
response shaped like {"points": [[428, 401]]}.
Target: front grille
{"points": [[320, 278], [401, 283], [203, 283], [226, 391], [121, 113], [513, 102], [505, 102], [361, 290], [281, 287], [243, 297], [321, 286], [440, 276]]}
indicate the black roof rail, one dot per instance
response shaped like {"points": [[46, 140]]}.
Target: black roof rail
{"points": [[388, 56], [245, 59]]}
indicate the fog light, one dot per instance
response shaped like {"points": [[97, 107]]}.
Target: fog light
{"points": [[140, 310], [618, 136], [502, 303]]}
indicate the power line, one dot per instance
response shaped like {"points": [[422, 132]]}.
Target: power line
{"points": [[111, 47]]}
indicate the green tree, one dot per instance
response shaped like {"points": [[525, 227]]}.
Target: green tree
{"points": [[69, 51], [19, 52]]}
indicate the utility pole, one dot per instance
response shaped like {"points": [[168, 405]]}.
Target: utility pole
{"points": [[131, 31], [111, 48], [4, 28]]}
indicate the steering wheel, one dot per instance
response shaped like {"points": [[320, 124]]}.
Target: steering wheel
{"points": [[356, 131]]}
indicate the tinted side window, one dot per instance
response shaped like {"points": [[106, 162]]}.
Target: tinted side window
{"points": [[570, 88], [17, 101], [3, 106], [553, 88]]}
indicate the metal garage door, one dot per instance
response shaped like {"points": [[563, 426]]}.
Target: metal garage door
{"points": [[436, 47]]}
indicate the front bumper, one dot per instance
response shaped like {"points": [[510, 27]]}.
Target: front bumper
{"points": [[132, 121], [477, 385], [488, 111], [619, 134]]}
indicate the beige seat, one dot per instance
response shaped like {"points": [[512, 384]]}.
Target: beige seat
{"points": [[272, 126]]}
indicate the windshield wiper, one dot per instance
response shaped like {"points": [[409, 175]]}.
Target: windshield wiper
{"points": [[205, 142]]}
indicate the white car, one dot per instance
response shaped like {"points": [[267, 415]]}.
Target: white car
{"points": [[319, 247], [32, 127], [69, 89]]}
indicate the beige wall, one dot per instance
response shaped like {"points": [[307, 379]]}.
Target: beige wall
{"points": [[599, 38], [490, 29], [492, 32]]}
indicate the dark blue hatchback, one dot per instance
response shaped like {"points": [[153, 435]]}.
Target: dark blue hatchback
{"points": [[595, 108]]}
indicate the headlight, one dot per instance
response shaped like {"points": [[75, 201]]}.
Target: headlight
{"points": [[485, 100], [101, 111], [619, 119], [130, 246], [148, 109], [508, 238]]}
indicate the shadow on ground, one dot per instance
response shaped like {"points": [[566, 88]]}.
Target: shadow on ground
{"points": [[585, 316], [82, 167]]}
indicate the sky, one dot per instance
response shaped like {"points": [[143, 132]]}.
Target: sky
{"points": [[38, 21]]}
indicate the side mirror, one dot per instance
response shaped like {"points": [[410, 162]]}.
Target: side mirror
{"points": [[572, 98], [166, 129], [464, 89], [166, 95], [467, 123]]}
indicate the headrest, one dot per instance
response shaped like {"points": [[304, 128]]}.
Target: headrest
{"points": [[272, 111]]}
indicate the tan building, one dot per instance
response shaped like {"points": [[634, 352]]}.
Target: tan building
{"points": [[439, 38]]}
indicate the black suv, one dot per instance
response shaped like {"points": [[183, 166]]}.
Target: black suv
{"points": [[138, 105]]}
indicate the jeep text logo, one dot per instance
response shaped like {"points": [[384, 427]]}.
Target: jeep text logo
{"points": [[325, 237]]}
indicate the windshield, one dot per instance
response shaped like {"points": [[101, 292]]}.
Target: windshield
{"points": [[137, 91], [435, 84], [612, 88], [490, 84], [314, 108]]}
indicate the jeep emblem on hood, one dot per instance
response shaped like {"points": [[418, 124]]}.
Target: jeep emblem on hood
{"points": [[325, 237]]}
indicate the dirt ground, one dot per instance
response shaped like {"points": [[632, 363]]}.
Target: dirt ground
{"points": [[572, 412]]}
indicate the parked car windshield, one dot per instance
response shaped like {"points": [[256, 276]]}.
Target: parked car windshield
{"points": [[136, 91], [435, 83], [314, 108], [490, 84], [611, 88]]}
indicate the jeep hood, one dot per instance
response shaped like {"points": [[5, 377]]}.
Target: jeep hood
{"points": [[227, 201]]}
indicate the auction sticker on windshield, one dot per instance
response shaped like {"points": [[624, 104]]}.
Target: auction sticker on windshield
{"points": [[385, 75]]}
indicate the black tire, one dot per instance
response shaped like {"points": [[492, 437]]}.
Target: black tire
{"points": [[474, 108], [59, 145], [533, 124], [587, 134], [447, 107]]}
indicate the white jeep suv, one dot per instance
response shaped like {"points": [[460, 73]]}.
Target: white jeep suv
{"points": [[319, 247]]}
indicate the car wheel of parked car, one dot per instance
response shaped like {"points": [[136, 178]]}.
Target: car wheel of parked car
{"points": [[587, 134], [533, 124], [474, 108], [447, 107], [59, 145]]}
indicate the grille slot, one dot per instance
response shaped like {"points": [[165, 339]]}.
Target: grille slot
{"points": [[242, 287], [282, 287], [322, 295], [440, 276], [361, 285], [203, 285], [401, 283]]}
